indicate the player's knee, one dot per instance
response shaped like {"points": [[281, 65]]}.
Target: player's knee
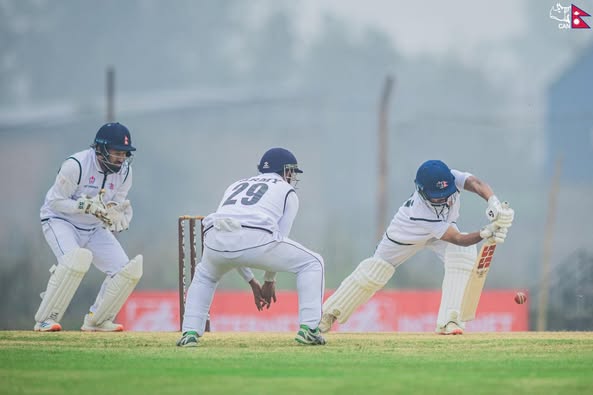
{"points": [[319, 259], [134, 268], [312, 262], [458, 257], [373, 273], [206, 272], [78, 260]]}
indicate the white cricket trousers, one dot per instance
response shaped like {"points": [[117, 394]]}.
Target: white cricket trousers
{"points": [[255, 249], [62, 237], [108, 255]]}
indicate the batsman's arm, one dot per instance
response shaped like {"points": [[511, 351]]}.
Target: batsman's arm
{"points": [[479, 187], [491, 232], [452, 235], [496, 210]]}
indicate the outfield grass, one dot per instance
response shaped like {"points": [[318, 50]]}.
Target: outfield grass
{"points": [[244, 363]]}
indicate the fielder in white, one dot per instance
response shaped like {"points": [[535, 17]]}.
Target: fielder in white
{"points": [[81, 210], [426, 220], [250, 229]]}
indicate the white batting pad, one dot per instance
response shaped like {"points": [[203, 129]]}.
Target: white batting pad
{"points": [[370, 276], [459, 262], [116, 291], [63, 283]]}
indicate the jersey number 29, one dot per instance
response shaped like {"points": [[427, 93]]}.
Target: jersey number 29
{"points": [[252, 193]]}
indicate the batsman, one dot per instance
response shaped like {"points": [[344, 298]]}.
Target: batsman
{"points": [[428, 219], [85, 205]]}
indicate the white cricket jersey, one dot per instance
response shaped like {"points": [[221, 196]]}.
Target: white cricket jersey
{"points": [[265, 202], [416, 222], [81, 174]]}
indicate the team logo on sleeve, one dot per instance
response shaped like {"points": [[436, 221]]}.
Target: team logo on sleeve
{"points": [[442, 184]]}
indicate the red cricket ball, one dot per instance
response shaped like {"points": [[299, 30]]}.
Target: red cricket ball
{"points": [[520, 298]]}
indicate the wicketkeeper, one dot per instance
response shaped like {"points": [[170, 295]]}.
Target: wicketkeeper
{"points": [[81, 210], [428, 219]]}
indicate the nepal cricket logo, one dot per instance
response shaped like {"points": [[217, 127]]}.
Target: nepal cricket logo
{"points": [[569, 17], [442, 184], [91, 179]]}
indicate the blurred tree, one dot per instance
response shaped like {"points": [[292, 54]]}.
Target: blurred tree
{"points": [[339, 62], [60, 51], [21, 22], [270, 50]]}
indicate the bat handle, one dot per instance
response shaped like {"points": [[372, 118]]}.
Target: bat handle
{"points": [[101, 194]]}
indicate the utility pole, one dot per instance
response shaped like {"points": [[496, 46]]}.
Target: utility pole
{"points": [[383, 171], [110, 93], [544, 287]]}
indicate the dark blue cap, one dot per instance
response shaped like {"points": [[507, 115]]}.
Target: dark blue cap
{"points": [[435, 180], [115, 136], [275, 159]]}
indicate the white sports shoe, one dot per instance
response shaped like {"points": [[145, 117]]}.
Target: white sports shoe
{"points": [[327, 320], [106, 326], [451, 328], [47, 326]]}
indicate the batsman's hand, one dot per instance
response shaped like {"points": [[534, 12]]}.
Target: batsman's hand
{"points": [[501, 213], [493, 233], [505, 216], [269, 293], [94, 206], [257, 294], [494, 208]]}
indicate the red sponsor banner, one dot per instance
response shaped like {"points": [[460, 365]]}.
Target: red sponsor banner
{"points": [[387, 311]]}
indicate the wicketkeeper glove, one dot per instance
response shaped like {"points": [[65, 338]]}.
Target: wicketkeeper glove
{"points": [[94, 206], [120, 215]]}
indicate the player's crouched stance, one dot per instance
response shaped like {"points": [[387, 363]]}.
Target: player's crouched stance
{"points": [[250, 229], [78, 226], [426, 220]]}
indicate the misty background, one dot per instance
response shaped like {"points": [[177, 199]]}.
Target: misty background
{"points": [[206, 87]]}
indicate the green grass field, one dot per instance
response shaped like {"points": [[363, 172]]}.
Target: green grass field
{"points": [[243, 363]]}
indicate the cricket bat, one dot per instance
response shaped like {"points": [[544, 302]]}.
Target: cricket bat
{"points": [[475, 284]]}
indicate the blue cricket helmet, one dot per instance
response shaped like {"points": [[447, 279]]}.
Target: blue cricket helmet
{"points": [[276, 160], [115, 136], [434, 180]]}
